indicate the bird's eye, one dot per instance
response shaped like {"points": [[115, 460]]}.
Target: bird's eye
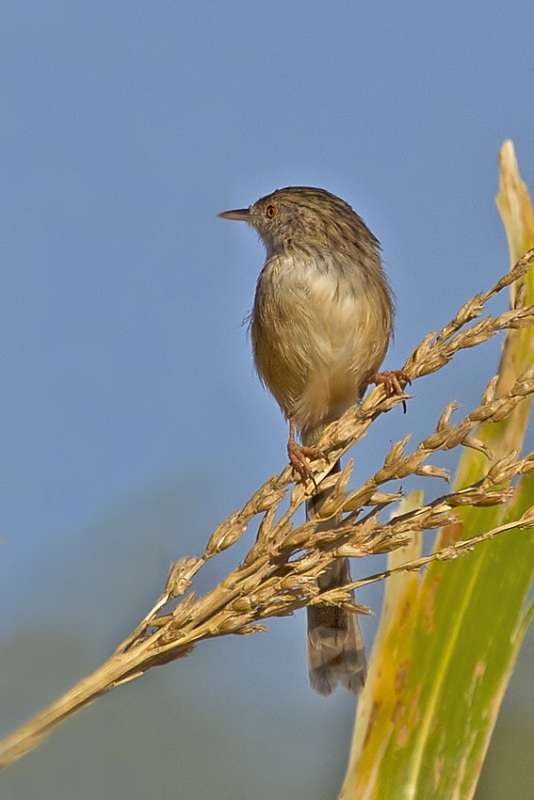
{"points": [[270, 211]]}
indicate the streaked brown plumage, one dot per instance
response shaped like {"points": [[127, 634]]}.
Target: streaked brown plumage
{"points": [[320, 326]]}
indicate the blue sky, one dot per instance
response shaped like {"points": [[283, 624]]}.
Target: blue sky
{"points": [[132, 419]]}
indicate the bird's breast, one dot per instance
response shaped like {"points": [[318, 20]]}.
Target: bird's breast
{"points": [[317, 336]]}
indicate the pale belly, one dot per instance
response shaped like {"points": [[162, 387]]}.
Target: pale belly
{"points": [[315, 349]]}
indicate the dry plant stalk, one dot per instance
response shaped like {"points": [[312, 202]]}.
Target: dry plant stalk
{"points": [[279, 573]]}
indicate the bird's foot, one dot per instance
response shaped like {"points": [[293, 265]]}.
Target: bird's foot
{"points": [[393, 381], [300, 455]]}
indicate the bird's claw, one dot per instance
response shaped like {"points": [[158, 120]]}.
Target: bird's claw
{"points": [[299, 456], [393, 382]]}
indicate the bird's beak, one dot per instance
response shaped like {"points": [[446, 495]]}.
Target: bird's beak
{"points": [[241, 214]]}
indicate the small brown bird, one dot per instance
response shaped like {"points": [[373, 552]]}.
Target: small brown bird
{"points": [[321, 325]]}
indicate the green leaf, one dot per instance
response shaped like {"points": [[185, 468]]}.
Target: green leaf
{"points": [[448, 641]]}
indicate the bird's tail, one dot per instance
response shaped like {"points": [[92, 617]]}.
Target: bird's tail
{"points": [[336, 650]]}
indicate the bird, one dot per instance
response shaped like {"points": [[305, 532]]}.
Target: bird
{"points": [[321, 323]]}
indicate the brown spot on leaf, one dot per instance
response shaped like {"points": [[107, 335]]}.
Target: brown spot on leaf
{"points": [[403, 735], [398, 712], [405, 611], [372, 719], [401, 676], [480, 669], [438, 771]]}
